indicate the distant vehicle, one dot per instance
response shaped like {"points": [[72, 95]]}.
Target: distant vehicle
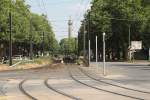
{"points": [[69, 58], [57, 59]]}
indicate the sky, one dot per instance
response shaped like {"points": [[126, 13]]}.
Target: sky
{"points": [[58, 13]]}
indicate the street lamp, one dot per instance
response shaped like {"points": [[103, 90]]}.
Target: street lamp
{"points": [[104, 67], [76, 45], [42, 43], [10, 33], [84, 40], [89, 52], [129, 42], [96, 53], [30, 36]]}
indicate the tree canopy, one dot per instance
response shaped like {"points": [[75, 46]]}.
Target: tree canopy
{"points": [[116, 18], [26, 25], [68, 46]]}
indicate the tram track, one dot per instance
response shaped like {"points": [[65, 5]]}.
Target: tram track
{"points": [[60, 92], [81, 77], [100, 89], [2, 93], [24, 91], [99, 80]]}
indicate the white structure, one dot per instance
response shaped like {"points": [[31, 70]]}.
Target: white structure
{"points": [[104, 67], [96, 53], [70, 27], [136, 45], [89, 52]]}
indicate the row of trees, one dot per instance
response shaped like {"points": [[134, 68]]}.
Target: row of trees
{"points": [[68, 46], [117, 18], [26, 26]]}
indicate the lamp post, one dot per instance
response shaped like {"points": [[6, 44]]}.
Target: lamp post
{"points": [[149, 54], [89, 52], [96, 52], [76, 46], [89, 35], [10, 38], [43, 43], [10, 33], [31, 42], [129, 40], [84, 41], [104, 67]]}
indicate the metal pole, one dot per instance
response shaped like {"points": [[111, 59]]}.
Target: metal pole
{"points": [[89, 37], [129, 34], [31, 44], [10, 39], [96, 52], [43, 44], [78, 46], [49, 44], [104, 67], [89, 52], [129, 42], [75, 46], [149, 54], [84, 41]]}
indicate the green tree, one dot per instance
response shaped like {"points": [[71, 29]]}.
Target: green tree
{"points": [[114, 17], [26, 25], [68, 45]]}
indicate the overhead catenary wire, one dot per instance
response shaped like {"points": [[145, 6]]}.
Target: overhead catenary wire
{"points": [[39, 6], [44, 7], [78, 12], [53, 4], [77, 18]]}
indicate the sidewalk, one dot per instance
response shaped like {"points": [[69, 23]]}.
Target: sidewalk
{"points": [[123, 72]]}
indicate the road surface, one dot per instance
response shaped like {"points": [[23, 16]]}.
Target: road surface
{"points": [[124, 81]]}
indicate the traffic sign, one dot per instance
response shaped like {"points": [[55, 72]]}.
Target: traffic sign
{"points": [[136, 45]]}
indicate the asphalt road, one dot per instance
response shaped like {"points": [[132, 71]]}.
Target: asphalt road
{"points": [[124, 81], [137, 73]]}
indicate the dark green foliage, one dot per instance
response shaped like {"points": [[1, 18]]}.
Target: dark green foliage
{"points": [[25, 26], [114, 18], [68, 46]]}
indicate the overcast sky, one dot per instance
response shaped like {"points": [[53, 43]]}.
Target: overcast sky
{"points": [[59, 11]]}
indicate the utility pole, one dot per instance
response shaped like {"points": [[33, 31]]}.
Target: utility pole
{"points": [[31, 43], [129, 35], [129, 42], [89, 39], [49, 45], [149, 54], [96, 52], [10, 38], [75, 46], [43, 44], [10, 33], [89, 52], [104, 67], [78, 46], [84, 41]]}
